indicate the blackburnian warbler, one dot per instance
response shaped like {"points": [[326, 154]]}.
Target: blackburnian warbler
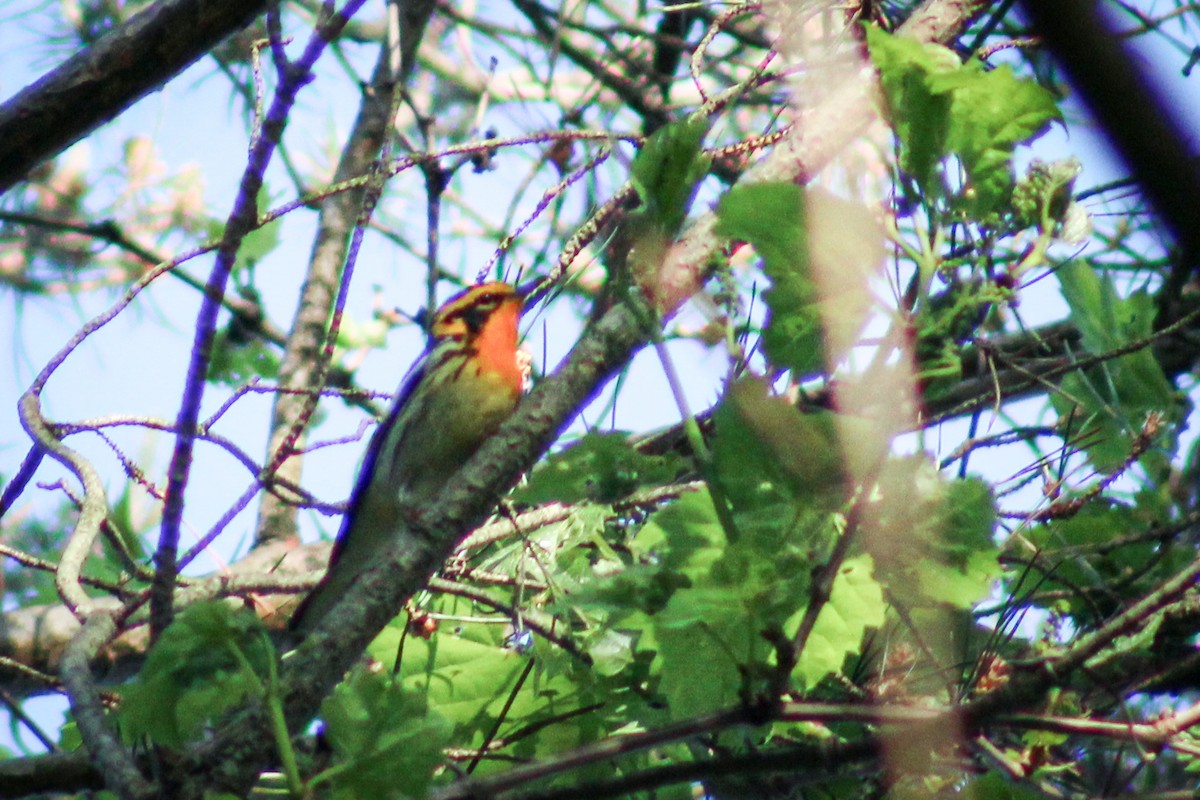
{"points": [[464, 385]]}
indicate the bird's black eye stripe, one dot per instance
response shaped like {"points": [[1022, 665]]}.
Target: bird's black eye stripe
{"points": [[471, 310], [475, 314]]}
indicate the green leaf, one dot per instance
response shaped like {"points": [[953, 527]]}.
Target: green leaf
{"points": [[69, 738], [601, 468], [459, 678], [1096, 308], [709, 636], [919, 116], [386, 740], [706, 636], [771, 217], [122, 521], [993, 112], [766, 449], [354, 334], [940, 107], [236, 360], [994, 786], [667, 172], [42, 536], [612, 652], [1113, 399], [686, 535], [1097, 523], [960, 586], [635, 588], [855, 605], [932, 538], [467, 677], [209, 660], [258, 244], [703, 640], [967, 519]]}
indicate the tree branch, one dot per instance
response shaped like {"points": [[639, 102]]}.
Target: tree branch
{"points": [[98, 83]]}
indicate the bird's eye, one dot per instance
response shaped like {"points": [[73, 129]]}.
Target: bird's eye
{"points": [[474, 317]]}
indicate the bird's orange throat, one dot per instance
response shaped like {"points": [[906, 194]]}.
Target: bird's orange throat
{"points": [[496, 346]]}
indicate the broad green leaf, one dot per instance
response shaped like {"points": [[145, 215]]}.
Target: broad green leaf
{"points": [[612, 652], [764, 447], [700, 634], [855, 605], [919, 116], [1096, 423], [1096, 308], [1111, 401], [121, 519], [237, 360], [1142, 381], [667, 172], [940, 107], [69, 738], [1060, 542], [771, 217], [932, 538], [704, 640], [1108, 322], [459, 678], [846, 252], [994, 786], [636, 588], [386, 741], [259, 243], [967, 519], [686, 535], [993, 111], [710, 634], [764, 565], [196, 671], [42, 536], [959, 586], [354, 334], [468, 678], [600, 467], [569, 548]]}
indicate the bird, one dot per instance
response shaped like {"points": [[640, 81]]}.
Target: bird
{"points": [[452, 399]]}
